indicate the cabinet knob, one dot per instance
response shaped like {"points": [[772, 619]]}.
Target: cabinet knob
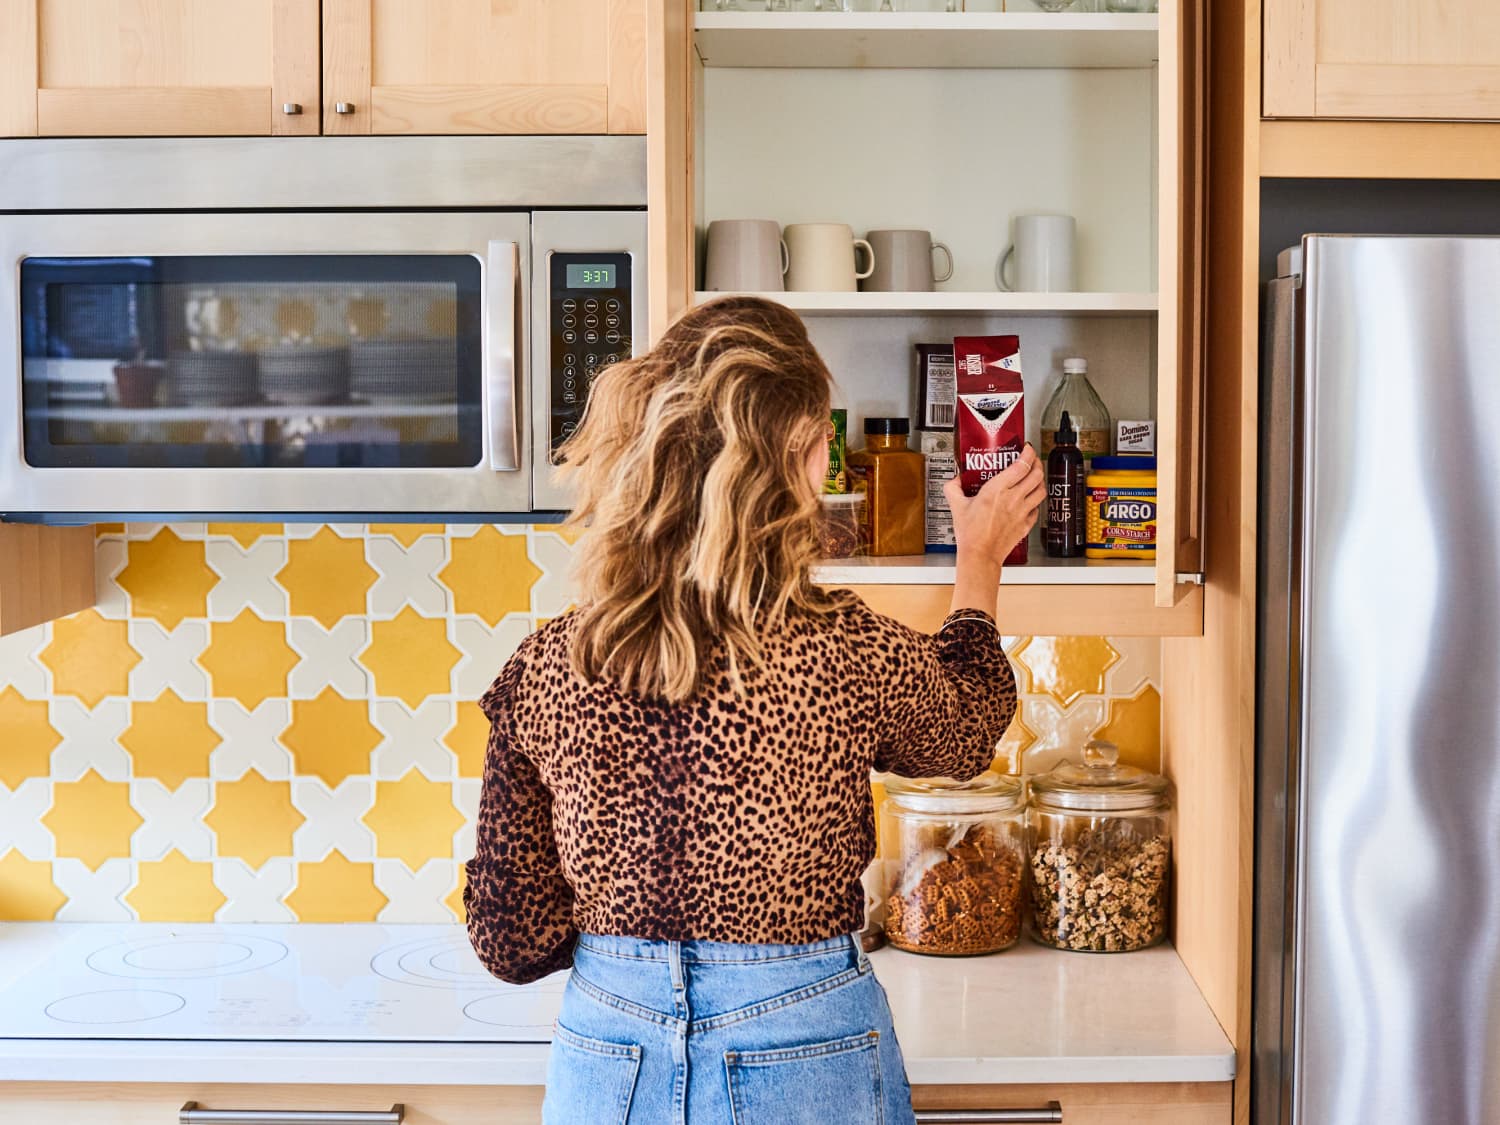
{"points": [[291, 109], [345, 108]]}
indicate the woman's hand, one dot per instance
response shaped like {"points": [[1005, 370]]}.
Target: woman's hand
{"points": [[987, 525]]}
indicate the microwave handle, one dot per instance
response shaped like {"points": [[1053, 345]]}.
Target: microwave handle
{"points": [[500, 396]]}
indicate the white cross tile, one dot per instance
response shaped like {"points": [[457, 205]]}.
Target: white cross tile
{"points": [[415, 897], [555, 590], [172, 819], [90, 739], [168, 660], [407, 576], [414, 739], [249, 740], [254, 895], [19, 666], [333, 819], [328, 657], [21, 812], [1139, 663], [94, 896], [1060, 734], [485, 652], [110, 598], [247, 578]]}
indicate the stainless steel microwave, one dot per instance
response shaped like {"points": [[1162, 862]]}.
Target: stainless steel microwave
{"points": [[345, 328]]}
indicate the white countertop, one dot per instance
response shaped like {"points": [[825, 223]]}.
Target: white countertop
{"points": [[1029, 1015]]}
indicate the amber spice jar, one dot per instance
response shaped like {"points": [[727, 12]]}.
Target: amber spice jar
{"points": [[894, 480]]}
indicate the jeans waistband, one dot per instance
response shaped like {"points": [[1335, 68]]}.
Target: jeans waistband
{"points": [[701, 952]]}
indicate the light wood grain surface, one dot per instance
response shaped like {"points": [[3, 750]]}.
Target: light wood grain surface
{"points": [[45, 572]]}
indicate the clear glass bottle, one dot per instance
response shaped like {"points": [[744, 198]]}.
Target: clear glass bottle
{"points": [[894, 481], [1090, 416], [955, 860], [1100, 848]]}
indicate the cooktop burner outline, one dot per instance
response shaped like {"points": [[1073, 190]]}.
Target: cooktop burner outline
{"points": [[508, 1003], [443, 963], [187, 957], [124, 1005]]}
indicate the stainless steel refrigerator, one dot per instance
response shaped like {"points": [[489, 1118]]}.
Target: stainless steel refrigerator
{"points": [[1377, 941]]}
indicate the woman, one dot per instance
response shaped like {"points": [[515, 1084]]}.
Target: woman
{"points": [[677, 785]]}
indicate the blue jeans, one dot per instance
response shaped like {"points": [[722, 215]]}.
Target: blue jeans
{"points": [[701, 1032]]}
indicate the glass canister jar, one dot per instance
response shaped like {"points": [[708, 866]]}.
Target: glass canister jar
{"points": [[956, 859], [1101, 851]]}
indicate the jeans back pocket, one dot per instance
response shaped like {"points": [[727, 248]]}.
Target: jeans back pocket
{"points": [[589, 1080], [832, 1083]]}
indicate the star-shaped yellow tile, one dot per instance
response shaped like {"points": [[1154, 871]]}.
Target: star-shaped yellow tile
{"points": [[175, 889], [1018, 738], [563, 531], [169, 739], [469, 738], [490, 575], [248, 659], [246, 534], [455, 898], [410, 657], [330, 737], [92, 819], [167, 578], [326, 577], [89, 657], [336, 890], [27, 893], [414, 819], [1134, 725], [407, 533], [1066, 667], [253, 818], [26, 739]]}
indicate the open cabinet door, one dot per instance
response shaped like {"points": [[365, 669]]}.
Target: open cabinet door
{"points": [[111, 68], [1182, 139]]}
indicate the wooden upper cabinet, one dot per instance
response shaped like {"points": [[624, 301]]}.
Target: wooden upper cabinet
{"points": [[158, 67], [1382, 59], [484, 66]]}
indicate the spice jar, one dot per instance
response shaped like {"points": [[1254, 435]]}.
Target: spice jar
{"points": [[841, 524], [894, 479], [956, 856], [1101, 852]]}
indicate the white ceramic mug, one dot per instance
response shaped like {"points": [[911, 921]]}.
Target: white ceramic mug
{"points": [[903, 262], [1044, 252], [744, 256], [823, 257]]}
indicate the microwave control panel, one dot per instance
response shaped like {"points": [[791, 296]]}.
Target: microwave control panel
{"points": [[590, 322]]}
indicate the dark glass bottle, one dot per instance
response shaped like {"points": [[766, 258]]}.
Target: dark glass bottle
{"points": [[1065, 485]]}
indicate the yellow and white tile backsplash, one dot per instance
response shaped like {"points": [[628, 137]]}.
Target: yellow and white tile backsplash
{"points": [[269, 723]]}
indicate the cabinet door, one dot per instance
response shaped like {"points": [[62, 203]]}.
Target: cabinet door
{"points": [[484, 66], [1382, 58], [158, 67]]}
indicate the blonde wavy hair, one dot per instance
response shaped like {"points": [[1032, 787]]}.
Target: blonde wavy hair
{"points": [[689, 471]]}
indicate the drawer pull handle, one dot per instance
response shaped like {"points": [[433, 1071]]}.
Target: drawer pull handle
{"points": [[343, 108], [191, 1114], [291, 109], [1051, 1113]]}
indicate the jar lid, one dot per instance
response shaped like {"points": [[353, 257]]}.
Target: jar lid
{"points": [[841, 499], [1100, 783], [887, 426], [989, 792]]}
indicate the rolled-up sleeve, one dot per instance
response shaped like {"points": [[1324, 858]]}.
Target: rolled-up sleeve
{"points": [[943, 701], [519, 905]]}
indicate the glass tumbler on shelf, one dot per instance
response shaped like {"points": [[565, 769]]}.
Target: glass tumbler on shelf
{"points": [[1100, 849], [955, 863]]}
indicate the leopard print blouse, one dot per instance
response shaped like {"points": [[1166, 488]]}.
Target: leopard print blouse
{"points": [[730, 817]]}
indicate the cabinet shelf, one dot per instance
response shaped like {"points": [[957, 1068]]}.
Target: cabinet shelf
{"points": [[936, 569], [959, 303], [980, 40], [259, 413]]}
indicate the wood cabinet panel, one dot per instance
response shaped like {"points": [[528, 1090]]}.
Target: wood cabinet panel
{"points": [[120, 1104], [45, 572], [158, 67], [1382, 59], [470, 66]]}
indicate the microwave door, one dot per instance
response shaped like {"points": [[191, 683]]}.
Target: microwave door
{"points": [[289, 363]]}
